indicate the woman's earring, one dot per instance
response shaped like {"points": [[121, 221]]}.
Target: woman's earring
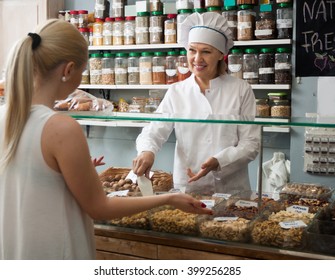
{"points": [[63, 79]]}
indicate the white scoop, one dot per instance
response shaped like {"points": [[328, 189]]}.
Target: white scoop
{"points": [[145, 185]]}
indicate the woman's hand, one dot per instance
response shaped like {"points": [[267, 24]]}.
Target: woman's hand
{"points": [[188, 204], [143, 162], [209, 165], [98, 161]]}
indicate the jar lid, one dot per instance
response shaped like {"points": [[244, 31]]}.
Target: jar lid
{"points": [[277, 95], [229, 8], [134, 54], [252, 50], [213, 8], [109, 19], [262, 101], [99, 20], [285, 5], [159, 53], [146, 54], [284, 50], [130, 18], [173, 53], [170, 16], [121, 55], [236, 51], [183, 52], [108, 55], [157, 13], [267, 50], [185, 11], [199, 10], [97, 55], [119, 19], [246, 7], [83, 29], [73, 12], [278, 102], [82, 12], [143, 14]]}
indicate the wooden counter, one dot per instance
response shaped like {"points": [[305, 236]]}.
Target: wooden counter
{"points": [[132, 244]]}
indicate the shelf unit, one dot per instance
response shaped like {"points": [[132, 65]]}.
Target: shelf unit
{"points": [[123, 48]]}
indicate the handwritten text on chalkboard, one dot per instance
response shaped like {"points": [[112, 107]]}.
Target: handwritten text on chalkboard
{"points": [[315, 38]]}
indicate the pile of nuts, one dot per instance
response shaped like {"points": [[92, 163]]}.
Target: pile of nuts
{"points": [[232, 230], [174, 221]]}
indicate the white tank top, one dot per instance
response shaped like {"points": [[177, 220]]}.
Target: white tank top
{"points": [[39, 217]]}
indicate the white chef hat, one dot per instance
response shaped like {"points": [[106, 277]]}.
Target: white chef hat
{"points": [[209, 28]]}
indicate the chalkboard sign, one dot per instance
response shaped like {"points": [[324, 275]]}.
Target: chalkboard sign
{"points": [[315, 38]]}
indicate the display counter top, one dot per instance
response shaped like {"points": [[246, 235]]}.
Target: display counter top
{"points": [[126, 243]]}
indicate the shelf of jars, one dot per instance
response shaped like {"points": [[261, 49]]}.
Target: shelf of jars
{"points": [[273, 42], [255, 86]]}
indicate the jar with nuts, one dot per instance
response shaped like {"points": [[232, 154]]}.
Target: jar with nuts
{"points": [[230, 13], [262, 108], [245, 23], [95, 63], [265, 26], [280, 109], [107, 76]]}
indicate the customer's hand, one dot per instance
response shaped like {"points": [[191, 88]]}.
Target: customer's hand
{"points": [[98, 161], [188, 204], [143, 162], [211, 164]]}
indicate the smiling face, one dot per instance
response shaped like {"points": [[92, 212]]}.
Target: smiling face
{"points": [[203, 60]]}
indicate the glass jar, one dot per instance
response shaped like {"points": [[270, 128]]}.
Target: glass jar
{"points": [[90, 36], [99, 9], [156, 6], [250, 66], [142, 28], [85, 32], [97, 32], [280, 109], [247, 2], [171, 67], [158, 68], [283, 66], [118, 27], [156, 26], [284, 21], [74, 19], [82, 18], [214, 9], [182, 14], [151, 105], [266, 71], [235, 63], [85, 76], [121, 68], [146, 68], [108, 75], [230, 13], [262, 108], [107, 32], [133, 68], [129, 31], [183, 71], [95, 65], [67, 16], [61, 15], [117, 9], [198, 4], [184, 4], [265, 26], [170, 29], [245, 23], [213, 3]]}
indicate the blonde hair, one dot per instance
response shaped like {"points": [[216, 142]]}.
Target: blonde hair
{"points": [[60, 43]]}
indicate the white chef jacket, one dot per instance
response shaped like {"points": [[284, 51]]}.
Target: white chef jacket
{"points": [[234, 146]]}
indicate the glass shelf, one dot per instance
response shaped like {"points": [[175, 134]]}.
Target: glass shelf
{"points": [[315, 121]]}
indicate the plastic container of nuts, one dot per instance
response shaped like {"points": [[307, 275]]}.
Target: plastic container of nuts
{"points": [[283, 229], [171, 220]]}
